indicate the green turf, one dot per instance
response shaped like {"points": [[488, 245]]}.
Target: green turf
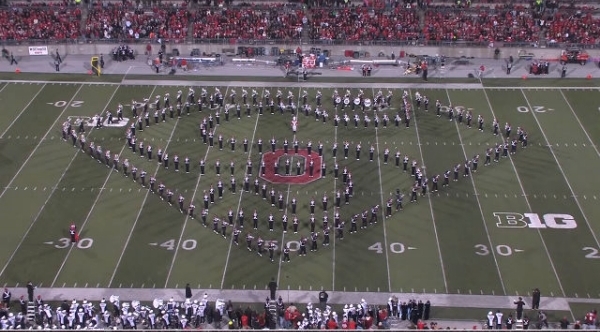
{"points": [[580, 309], [448, 242]]}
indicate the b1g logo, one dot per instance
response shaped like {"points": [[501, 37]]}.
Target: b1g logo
{"points": [[534, 220]]}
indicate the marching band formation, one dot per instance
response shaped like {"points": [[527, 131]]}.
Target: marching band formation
{"points": [[348, 111], [114, 314]]}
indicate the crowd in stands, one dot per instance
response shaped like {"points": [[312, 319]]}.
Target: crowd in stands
{"points": [[363, 23], [327, 21], [119, 20], [275, 21], [509, 24], [54, 22]]}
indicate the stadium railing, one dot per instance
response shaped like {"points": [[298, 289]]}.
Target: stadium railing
{"points": [[226, 42]]}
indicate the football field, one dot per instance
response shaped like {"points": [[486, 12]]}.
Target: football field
{"points": [[530, 220]]}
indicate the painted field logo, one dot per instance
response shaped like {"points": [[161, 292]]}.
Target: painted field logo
{"points": [[533, 220], [291, 168]]}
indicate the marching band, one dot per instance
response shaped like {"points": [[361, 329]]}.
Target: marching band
{"points": [[347, 109]]}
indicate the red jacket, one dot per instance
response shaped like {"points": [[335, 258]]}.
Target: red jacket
{"points": [[351, 325], [331, 325]]}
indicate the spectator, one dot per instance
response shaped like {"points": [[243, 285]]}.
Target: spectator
{"points": [[272, 288], [323, 296], [188, 291]]}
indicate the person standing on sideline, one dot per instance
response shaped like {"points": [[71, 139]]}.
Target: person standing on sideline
{"points": [[272, 288], [323, 296], [188, 291], [535, 299], [57, 65], [30, 289], [6, 298], [13, 61], [520, 304], [58, 58], [564, 323]]}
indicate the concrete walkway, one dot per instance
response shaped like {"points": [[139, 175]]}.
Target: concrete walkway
{"points": [[296, 296]]}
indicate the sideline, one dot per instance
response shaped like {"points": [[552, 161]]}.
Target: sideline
{"points": [[301, 296]]}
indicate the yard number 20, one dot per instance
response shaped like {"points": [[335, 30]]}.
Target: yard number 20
{"points": [[536, 109]]}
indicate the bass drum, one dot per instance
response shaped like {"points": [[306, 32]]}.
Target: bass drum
{"points": [[368, 102]]}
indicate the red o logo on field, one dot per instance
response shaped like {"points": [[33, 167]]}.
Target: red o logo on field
{"points": [[270, 158]]}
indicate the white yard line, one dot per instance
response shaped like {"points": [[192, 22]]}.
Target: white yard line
{"points": [[137, 218], [335, 138], [562, 172], [187, 217], [525, 197], [382, 202], [87, 217], [287, 200], [237, 210], [487, 232], [429, 201], [54, 188], [141, 205], [25, 108], [527, 201], [39, 143], [580, 123], [7, 84]]}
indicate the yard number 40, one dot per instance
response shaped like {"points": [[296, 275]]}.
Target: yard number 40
{"points": [[395, 248]]}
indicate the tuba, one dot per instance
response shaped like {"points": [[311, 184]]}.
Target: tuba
{"points": [[135, 305], [346, 101], [157, 303], [338, 99]]}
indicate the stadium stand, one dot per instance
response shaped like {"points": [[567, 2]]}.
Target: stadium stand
{"points": [[122, 21], [275, 21], [363, 23], [515, 24], [39, 21], [477, 22]]}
